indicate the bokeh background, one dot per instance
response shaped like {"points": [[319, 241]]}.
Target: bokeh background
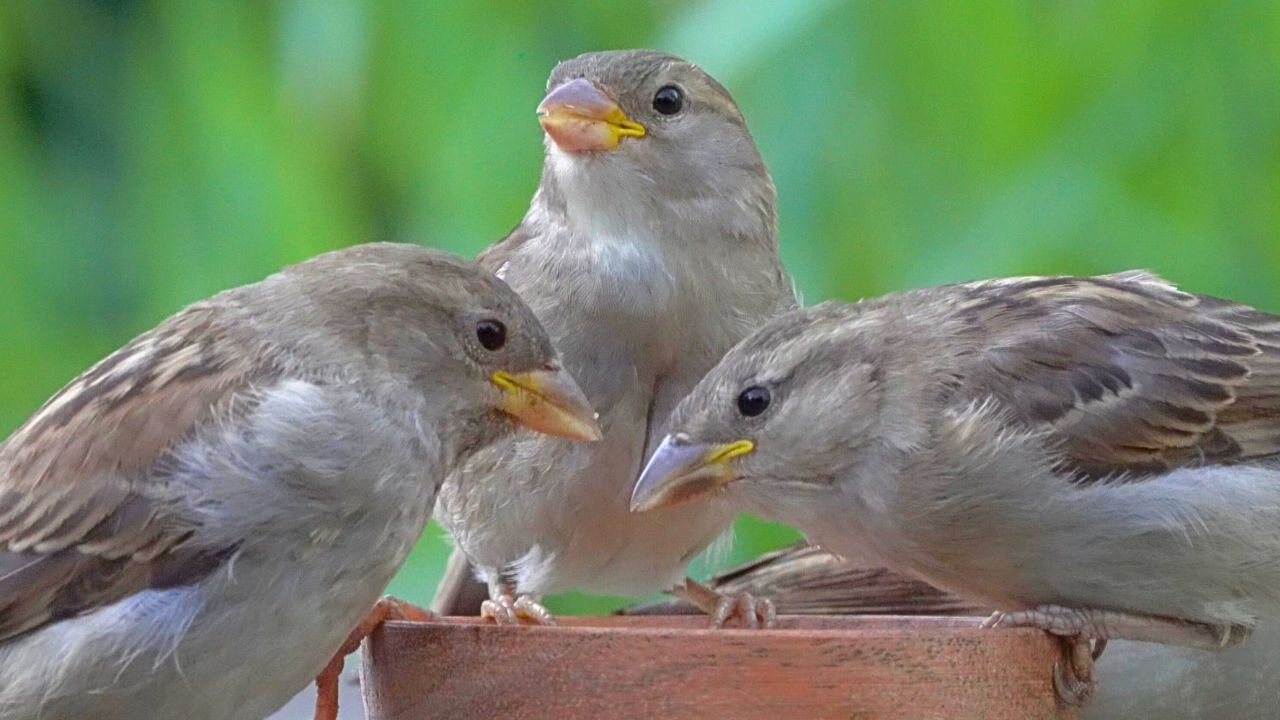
{"points": [[153, 153]]}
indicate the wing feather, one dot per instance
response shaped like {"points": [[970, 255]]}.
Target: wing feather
{"points": [[1127, 373], [82, 514]]}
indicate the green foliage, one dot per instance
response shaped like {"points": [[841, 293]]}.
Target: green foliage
{"points": [[152, 153]]}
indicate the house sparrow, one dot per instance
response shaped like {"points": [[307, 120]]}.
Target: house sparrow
{"points": [[648, 250], [1099, 457], [191, 528]]}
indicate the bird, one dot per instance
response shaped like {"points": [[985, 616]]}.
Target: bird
{"points": [[648, 250], [1098, 457], [193, 526]]}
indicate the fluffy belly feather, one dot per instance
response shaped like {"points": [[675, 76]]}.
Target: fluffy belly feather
{"points": [[177, 654]]}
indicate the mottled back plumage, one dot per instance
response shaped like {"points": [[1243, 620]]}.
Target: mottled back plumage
{"points": [[1128, 373], [83, 521]]}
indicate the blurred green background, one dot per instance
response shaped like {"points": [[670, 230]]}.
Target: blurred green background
{"points": [[153, 153]]}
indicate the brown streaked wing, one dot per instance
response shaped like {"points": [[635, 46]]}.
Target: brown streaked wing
{"points": [[1128, 373], [806, 580], [80, 510]]}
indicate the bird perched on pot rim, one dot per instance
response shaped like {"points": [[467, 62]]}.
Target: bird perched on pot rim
{"points": [[648, 250], [192, 527], [1094, 456]]}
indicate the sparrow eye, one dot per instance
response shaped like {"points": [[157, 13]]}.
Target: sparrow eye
{"points": [[668, 100], [753, 401], [491, 334]]}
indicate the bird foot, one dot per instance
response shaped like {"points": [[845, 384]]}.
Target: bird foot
{"points": [[387, 608], [1074, 677], [1086, 631], [748, 610], [506, 610], [1098, 624]]}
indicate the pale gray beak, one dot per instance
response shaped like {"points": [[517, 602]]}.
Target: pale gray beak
{"points": [[681, 470]]}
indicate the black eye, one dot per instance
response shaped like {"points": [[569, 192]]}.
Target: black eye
{"points": [[753, 401], [668, 100], [491, 334]]}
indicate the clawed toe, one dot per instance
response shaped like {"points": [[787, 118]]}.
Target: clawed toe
{"points": [[397, 609], [1062, 621], [1074, 679], [750, 612], [506, 610], [1086, 630], [994, 620], [387, 608], [1229, 635], [1097, 624], [526, 608], [500, 610]]}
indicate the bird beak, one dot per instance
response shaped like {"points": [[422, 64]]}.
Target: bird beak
{"points": [[681, 470], [548, 401], [579, 117]]}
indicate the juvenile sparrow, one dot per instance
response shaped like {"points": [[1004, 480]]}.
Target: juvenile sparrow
{"points": [[649, 249], [192, 527], [1099, 457]]}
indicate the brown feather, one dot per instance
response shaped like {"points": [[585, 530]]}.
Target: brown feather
{"points": [[805, 580], [1127, 373], [81, 520]]}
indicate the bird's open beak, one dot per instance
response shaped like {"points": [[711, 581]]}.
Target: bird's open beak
{"points": [[579, 117], [681, 470], [548, 401]]}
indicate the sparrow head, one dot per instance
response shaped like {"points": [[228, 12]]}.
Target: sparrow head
{"points": [[790, 407], [438, 324], [647, 124]]}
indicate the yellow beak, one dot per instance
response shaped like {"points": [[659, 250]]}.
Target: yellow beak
{"points": [[548, 401], [680, 471], [579, 117]]}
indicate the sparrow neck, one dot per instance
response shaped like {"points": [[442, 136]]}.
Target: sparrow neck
{"points": [[605, 201]]}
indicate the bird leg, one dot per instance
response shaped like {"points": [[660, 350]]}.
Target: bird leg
{"points": [[752, 612], [387, 608], [503, 608], [1117, 625], [1075, 681]]}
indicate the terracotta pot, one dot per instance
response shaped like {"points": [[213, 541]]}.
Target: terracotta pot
{"points": [[867, 668]]}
